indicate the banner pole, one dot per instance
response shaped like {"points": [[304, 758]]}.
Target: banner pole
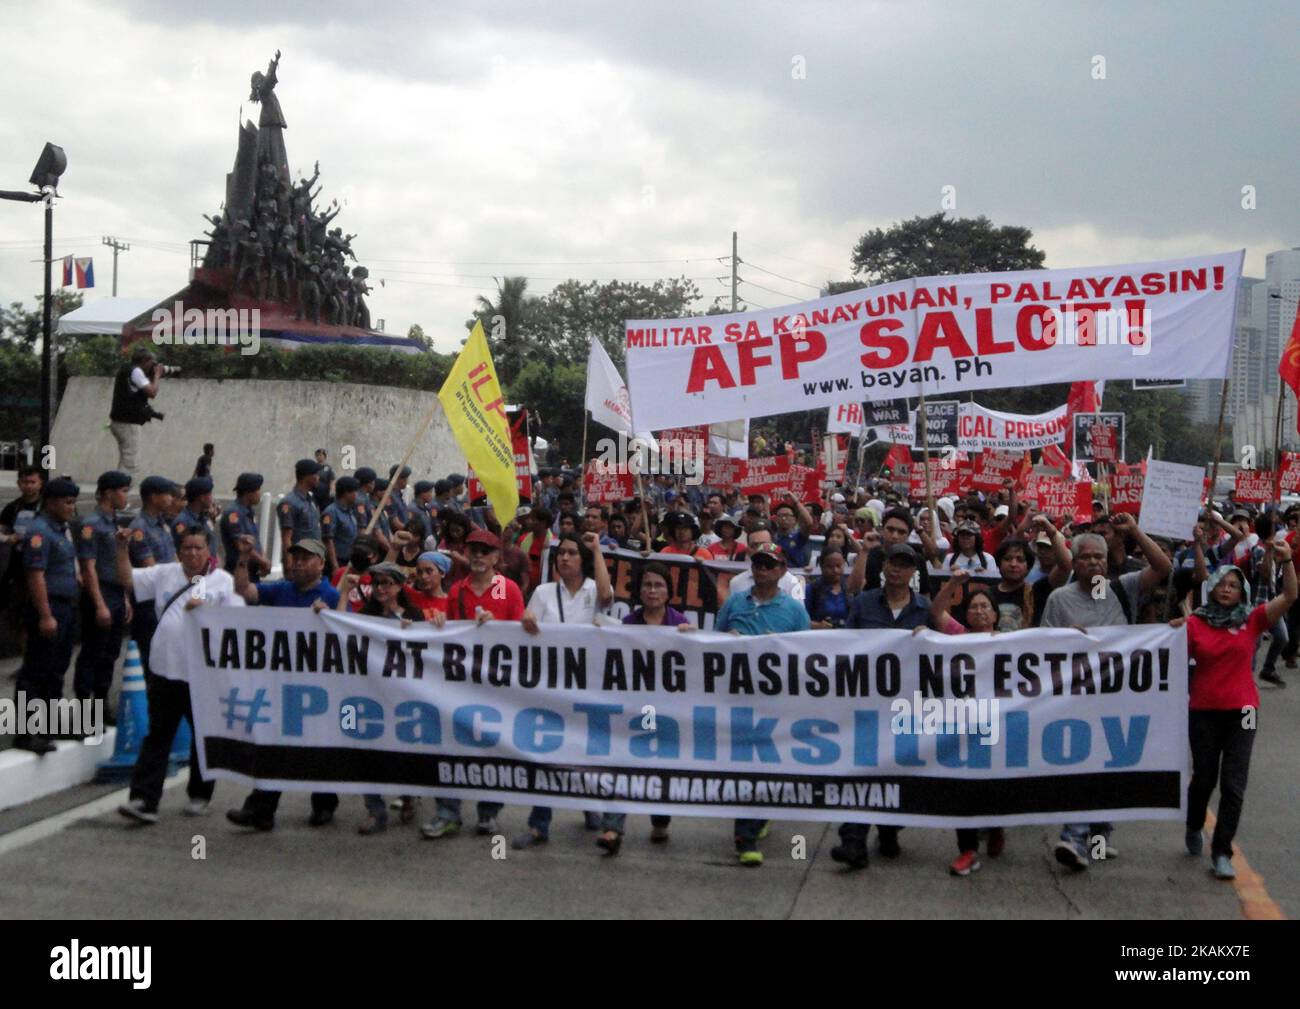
{"points": [[582, 490], [645, 515], [1277, 444], [925, 451], [1218, 443]]}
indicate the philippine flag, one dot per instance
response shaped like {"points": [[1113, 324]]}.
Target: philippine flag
{"points": [[67, 271], [85, 272]]}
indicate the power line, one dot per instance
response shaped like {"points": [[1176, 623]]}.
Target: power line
{"points": [[772, 290], [821, 266], [802, 283]]}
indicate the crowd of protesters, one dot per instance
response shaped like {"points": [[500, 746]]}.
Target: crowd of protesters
{"points": [[858, 557]]}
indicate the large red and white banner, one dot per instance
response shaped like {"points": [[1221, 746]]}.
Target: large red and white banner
{"points": [[1169, 319], [768, 474]]}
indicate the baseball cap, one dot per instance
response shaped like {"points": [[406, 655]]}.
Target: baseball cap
{"points": [[901, 552], [1001, 511], [388, 569], [312, 546], [769, 550], [484, 537], [114, 479]]}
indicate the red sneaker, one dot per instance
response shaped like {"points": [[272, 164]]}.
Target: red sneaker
{"points": [[997, 842], [966, 863]]}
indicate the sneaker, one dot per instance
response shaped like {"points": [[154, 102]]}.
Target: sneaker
{"points": [[854, 855], [1195, 841], [1106, 849], [528, 839], [136, 809], [965, 863], [590, 820], [1223, 867], [1070, 854], [320, 817], [440, 827], [197, 807], [997, 842], [888, 841], [487, 825], [751, 857], [245, 817], [373, 825], [1271, 676]]}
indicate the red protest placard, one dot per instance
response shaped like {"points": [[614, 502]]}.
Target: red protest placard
{"points": [[1255, 485], [523, 472], [945, 478], [1056, 496], [603, 484], [1126, 492], [724, 472], [991, 470], [769, 474], [1104, 448], [1290, 473], [806, 482], [685, 441]]}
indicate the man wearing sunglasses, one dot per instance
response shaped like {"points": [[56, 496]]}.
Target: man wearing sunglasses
{"points": [[762, 609]]}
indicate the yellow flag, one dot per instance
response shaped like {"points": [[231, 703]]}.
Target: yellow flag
{"points": [[476, 410]]}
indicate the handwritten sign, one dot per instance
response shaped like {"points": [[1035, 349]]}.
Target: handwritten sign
{"points": [[1171, 499]]}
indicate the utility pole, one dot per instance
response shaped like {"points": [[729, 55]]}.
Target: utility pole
{"points": [[735, 262], [116, 246]]}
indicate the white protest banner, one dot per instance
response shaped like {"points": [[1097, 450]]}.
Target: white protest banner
{"points": [[938, 335], [731, 440], [1041, 726], [1171, 499], [982, 429], [845, 418]]}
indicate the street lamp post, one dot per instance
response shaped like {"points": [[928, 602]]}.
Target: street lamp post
{"points": [[45, 177]]}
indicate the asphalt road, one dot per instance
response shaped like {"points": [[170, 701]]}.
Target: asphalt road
{"points": [[102, 866]]}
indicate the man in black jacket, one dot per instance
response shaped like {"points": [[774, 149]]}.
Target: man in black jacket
{"points": [[136, 383]]}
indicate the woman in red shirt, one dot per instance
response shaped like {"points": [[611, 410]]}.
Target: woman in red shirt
{"points": [[1224, 702], [428, 594]]}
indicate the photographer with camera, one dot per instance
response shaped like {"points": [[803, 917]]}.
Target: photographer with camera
{"points": [[136, 383]]}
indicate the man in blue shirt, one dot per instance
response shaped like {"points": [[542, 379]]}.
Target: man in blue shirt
{"points": [[50, 562], [794, 524], [305, 563], [893, 605], [299, 516], [103, 599], [240, 519], [762, 609], [197, 511], [340, 523]]}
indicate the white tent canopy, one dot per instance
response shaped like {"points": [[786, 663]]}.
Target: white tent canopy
{"points": [[105, 315]]}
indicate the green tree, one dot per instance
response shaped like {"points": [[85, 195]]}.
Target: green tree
{"points": [[18, 325], [937, 245], [416, 332], [557, 393], [506, 323]]}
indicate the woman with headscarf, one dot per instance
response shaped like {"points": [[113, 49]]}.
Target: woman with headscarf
{"points": [[429, 594], [1224, 701]]}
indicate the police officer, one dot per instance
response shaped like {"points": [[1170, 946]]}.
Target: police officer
{"points": [[197, 512], [50, 565], [299, 516], [239, 518], [397, 511], [103, 597], [324, 492], [340, 523], [456, 501], [367, 500], [150, 543], [423, 523]]}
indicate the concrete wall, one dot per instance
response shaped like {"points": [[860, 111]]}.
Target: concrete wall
{"points": [[258, 426]]}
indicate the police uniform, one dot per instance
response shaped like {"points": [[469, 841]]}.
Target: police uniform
{"points": [[240, 520], [188, 520], [421, 521], [48, 547], [341, 525], [299, 513], [150, 543], [97, 541]]}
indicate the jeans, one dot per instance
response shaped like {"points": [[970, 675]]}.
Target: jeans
{"points": [[968, 839], [1078, 834], [169, 702], [1281, 636], [1221, 748], [376, 807], [449, 809], [856, 833], [616, 821], [747, 832], [539, 818], [265, 803]]}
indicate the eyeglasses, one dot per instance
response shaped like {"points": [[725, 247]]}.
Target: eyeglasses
{"points": [[765, 562], [480, 549]]}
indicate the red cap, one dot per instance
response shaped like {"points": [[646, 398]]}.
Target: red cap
{"points": [[484, 537]]}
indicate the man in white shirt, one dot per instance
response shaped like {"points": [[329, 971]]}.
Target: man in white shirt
{"points": [[172, 589], [136, 383]]}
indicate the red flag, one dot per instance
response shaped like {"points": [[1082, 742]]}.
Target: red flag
{"points": [[1083, 398], [899, 456], [1053, 456], [1289, 366]]}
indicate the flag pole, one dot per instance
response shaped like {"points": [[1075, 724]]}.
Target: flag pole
{"points": [[1277, 443], [410, 451], [1218, 442], [925, 451]]}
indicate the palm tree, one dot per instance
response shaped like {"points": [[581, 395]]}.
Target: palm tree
{"points": [[505, 323]]}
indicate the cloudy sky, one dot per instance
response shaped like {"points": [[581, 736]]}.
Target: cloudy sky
{"points": [[577, 139]]}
